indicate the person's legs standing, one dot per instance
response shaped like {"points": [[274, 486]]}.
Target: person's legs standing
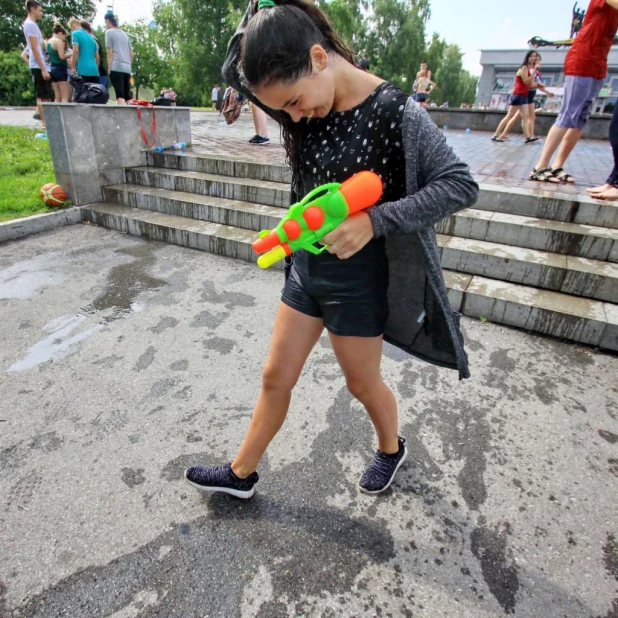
{"points": [[294, 336], [259, 122], [65, 91], [42, 90], [359, 359], [512, 111], [610, 189], [120, 82], [579, 92]]}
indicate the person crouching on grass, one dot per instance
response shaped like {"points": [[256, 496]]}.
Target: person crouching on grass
{"points": [[338, 120]]}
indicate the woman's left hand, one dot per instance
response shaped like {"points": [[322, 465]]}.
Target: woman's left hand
{"points": [[349, 237]]}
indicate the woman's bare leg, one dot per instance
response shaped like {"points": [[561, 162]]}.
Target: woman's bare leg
{"points": [[531, 119], [57, 93], [65, 92], [359, 358], [294, 336], [513, 109], [525, 121], [259, 121], [511, 124]]}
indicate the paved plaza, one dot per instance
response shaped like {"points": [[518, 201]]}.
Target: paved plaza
{"points": [[124, 360], [507, 164]]}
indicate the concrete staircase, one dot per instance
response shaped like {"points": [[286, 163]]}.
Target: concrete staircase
{"points": [[545, 264]]}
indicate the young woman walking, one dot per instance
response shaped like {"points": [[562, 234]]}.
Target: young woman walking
{"points": [[524, 81], [538, 85], [58, 58], [338, 120]]}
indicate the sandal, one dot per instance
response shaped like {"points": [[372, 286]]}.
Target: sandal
{"points": [[530, 139], [560, 174], [544, 175], [496, 138]]}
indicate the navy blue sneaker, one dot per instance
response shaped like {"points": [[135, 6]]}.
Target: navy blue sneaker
{"points": [[381, 471], [221, 478]]}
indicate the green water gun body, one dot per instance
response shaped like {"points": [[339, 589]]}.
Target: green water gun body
{"points": [[319, 213]]}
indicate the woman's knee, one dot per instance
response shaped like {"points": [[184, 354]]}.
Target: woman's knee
{"points": [[277, 378], [361, 387]]}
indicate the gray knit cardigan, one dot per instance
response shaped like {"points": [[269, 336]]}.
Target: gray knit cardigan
{"points": [[421, 321]]}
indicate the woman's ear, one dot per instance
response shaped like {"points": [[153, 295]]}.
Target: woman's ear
{"points": [[319, 58]]}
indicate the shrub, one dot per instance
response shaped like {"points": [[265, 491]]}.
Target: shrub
{"points": [[16, 87]]}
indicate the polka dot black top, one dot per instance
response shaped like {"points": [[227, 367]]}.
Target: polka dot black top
{"points": [[366, 137]]}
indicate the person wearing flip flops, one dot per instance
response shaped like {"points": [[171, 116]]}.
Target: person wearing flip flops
{"points": [[524, 81], [585, 68], [609, 191]]}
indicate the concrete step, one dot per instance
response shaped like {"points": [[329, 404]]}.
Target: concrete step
{"points": [[539, 203], [551, 271], [545, 204], [194, 206], [215, 238], [571, 275], [222, 165], [597, 243], [265, 192], [586, 321]]}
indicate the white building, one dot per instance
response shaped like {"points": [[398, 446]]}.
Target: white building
{"points": [[501, 65]]}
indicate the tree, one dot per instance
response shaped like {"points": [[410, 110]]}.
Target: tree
{"points": [[435, 53], [148, 65], [13, 13], [346, 17], [453, 83], [396, 39], [15, 86], [200, 35]]}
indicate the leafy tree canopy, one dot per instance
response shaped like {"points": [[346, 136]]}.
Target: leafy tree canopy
{"points": [[13, 14]]}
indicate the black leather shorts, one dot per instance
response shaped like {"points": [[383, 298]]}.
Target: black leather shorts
{"points": [[349, 295]]}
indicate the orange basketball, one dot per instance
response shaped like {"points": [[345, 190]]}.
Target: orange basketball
{"points": [[53, 194]]}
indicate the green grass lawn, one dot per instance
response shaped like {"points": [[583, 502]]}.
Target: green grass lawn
{"points": [[25, 166]]}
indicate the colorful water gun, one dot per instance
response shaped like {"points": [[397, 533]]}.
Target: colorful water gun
{"points": [[319, 213]]}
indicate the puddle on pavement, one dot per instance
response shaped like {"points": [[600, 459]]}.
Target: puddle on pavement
{"points": [[28, 278], [124, 284]]}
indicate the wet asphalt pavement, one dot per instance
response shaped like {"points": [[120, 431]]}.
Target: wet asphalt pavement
{"points": [[122, 361]]}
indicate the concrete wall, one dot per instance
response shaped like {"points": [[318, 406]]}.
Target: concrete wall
{"points": [[91, 145], [488, 120]]}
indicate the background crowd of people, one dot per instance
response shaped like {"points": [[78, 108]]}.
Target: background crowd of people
{"points": [[52, 61]]}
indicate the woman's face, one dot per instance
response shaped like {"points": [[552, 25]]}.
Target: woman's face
{"points": [[534, 58], [311, 96]]}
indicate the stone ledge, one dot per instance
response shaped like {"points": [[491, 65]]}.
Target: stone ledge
{"points": [[26, 226]]}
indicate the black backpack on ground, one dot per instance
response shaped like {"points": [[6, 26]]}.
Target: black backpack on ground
{"points": [[85, 92]]}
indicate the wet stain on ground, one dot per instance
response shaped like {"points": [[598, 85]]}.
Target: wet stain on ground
{"points": [[181, 365], [489, 547], [131, 478], [164, 323], [229, 299], [610, 437], [126, 282], [145, 360], [220, 344], [205, 319]]}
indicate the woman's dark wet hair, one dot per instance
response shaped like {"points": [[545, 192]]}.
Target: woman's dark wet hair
{"points": [[527, 58], [275, 48]]}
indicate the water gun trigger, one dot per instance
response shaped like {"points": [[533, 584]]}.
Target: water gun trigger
{"points": [[264, 233], [313, 249]]}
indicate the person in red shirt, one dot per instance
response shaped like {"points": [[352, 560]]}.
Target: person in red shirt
{"points": [[585, 68], [524, 81]]}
